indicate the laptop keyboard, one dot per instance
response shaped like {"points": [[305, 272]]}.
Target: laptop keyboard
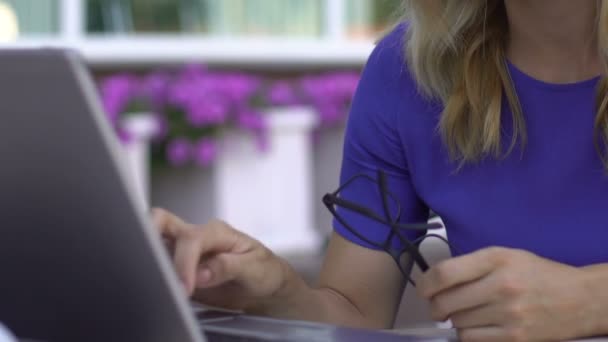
{"points": [[209, 316], [221, 337], [231, 327]]}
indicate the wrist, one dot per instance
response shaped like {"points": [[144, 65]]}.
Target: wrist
{"points": [[594, 279], [285, 296], [291, 285]]}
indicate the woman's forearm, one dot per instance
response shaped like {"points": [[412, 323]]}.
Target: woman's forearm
{"points": [[297, 300], [596, 283]]}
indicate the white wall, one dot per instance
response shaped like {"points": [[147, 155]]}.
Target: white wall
{"points": [[191, 197]]}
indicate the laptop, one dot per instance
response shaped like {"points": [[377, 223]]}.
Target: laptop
{"points": [[79, 259]]}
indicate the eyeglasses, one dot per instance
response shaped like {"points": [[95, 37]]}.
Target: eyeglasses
{"points": [[390, 217]]}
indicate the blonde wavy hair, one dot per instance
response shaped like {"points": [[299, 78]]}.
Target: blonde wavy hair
{"points": [[456, 52]]}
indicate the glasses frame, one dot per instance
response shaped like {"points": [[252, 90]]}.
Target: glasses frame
{"points": [[332, 200]]}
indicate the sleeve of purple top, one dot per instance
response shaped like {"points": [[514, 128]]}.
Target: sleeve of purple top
{"points": [[372, 143]]}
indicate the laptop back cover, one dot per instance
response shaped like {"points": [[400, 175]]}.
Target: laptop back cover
{"points": [[78, 259]]}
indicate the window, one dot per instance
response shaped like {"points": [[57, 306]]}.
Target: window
{"points": [[32, 17], [367, 18], [209, 17]]}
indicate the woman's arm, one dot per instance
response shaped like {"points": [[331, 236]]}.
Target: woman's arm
{"points": [[223, 267], [360, 285], [357, 287]]}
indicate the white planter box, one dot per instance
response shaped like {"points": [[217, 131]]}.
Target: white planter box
{"points": [[269, 195]]}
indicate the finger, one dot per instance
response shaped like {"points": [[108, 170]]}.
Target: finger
{"points": [[219, 269], [194, 243], [459, 270], [186, 259], [166, 222], [219, 237], [478, 317], [462, 297], [485, 334]]}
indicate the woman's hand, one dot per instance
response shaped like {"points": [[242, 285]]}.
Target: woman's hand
{"points": [[500, 294], [219, 265]]}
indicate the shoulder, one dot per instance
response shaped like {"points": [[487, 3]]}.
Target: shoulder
{"points": [[387, 61], [385, 108], [386, 80], [391, 47], [388, 91], [388, 112]]}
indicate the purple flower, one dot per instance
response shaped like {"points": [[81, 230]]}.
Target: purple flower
{"points": [[330, 94], [330, 113], [155, 87], [181, 92], [311, 87], [333, 86], [251, 120], [348, 83], [116, 93], [238, 87], [193, 71], [281, 93], [201, 99], [205, 152], [206, 111], [195, 98], [254, 122], [179, 152]]}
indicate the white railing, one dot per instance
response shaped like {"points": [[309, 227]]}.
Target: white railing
{"points": [[332, 47]]}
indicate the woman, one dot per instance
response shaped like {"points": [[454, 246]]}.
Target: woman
{"points": [[494, 115]]}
